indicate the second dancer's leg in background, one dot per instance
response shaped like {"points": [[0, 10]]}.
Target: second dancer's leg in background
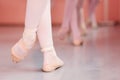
{"points": [[75, 29], [70, 22], [81, 16], [91, 12], [65, 27]]}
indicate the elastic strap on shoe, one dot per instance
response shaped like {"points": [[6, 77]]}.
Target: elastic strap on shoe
{"points": [[47, 49]]}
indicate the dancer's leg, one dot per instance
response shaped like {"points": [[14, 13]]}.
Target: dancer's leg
{"points": [[51, 60], [75, 28], [91, 9], [65, 27], [81, 16], [35, 9]]}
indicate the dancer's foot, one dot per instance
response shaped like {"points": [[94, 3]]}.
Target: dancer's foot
{"points": [[19, 51], [51, 60], [94, 25], [63, 33], [93, 22], [21, 48], [84, 30], [15, 59], [77, 41]]}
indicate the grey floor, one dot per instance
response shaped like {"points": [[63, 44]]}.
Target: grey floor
{"points": [[97, 59]]}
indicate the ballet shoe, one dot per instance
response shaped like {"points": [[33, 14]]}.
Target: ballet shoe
{"points": [[95, 26], [84, 31], [92, 23], [76, 39], [51, 60], [88, 22], [15, 59], [77, 42], [20, 50], [52, 67]]}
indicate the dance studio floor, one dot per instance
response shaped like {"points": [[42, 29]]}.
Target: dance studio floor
{"points": [[97, 59]]}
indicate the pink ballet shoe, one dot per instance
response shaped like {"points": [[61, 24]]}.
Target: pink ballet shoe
{"points": [[88, 22], [15, 59], [20, 49], [51, 60], [94, 25], [83, 30], [77, 42]]}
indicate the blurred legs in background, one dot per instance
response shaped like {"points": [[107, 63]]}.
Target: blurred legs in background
{"points": [[70, 23], [91, 13], [81, 17]]}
